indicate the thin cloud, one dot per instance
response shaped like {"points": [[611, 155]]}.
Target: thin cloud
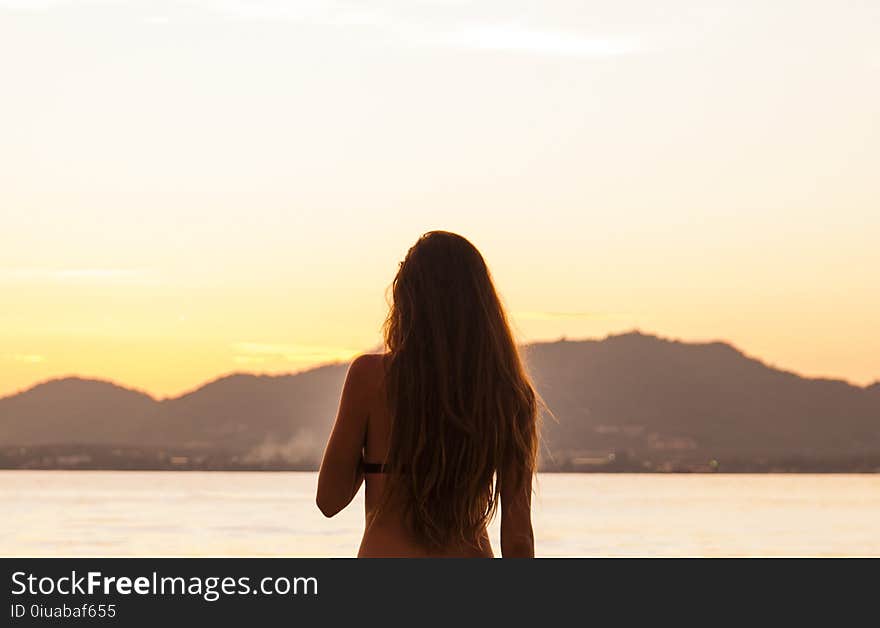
{"points": [[29, 358], [317, 12], [454, 33], [552, 316], [447, 26], [77, 275], [519, 39], [248, 359], [260, 353], [31, 5]]}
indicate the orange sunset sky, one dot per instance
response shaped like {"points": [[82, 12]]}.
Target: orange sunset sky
{"points": [[190, 189]]}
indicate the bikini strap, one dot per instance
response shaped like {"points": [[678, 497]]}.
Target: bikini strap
{"points": [[372, 467]]}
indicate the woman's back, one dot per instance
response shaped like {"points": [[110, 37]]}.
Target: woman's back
{"points": [[386, 533]]}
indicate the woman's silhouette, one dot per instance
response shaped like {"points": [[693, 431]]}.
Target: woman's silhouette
{"points": [[442, 425]]}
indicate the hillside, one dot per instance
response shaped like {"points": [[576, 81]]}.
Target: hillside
{"points": [[628, 402]]}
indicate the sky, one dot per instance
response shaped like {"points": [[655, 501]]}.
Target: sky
{"points": [[194, 188]]}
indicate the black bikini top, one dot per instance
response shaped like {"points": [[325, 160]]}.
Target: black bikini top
{"points": [[373, 467]]}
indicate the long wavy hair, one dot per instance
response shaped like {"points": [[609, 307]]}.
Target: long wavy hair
{"points": [[464, 413]]}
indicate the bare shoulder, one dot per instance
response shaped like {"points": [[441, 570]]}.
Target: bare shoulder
{"points": [[367, 370]]}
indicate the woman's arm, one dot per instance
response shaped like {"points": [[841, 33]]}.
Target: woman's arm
{"points": [[517, 537], [340, 477]]}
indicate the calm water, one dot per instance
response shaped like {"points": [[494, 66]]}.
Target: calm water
{"points": [[58, 513]]}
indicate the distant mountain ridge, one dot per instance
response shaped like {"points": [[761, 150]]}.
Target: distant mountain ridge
{"points": [[627, 402]]}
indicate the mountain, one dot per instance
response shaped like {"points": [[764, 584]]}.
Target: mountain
{"points": [[75, 410], [287, 416], [628, 402], [647, 396], [239, 420]]}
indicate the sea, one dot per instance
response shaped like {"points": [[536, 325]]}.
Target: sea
{"points": [[189, 513]]}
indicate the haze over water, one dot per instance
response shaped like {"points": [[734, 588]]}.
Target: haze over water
{"points": [[58, 513]]}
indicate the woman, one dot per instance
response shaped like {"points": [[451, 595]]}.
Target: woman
{"points": [[443, 426]]}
